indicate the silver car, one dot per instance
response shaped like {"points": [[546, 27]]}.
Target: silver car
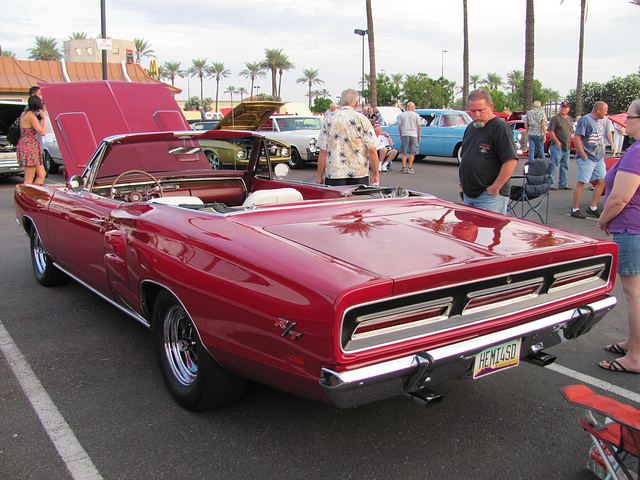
{"points": [[9, 113], [299, 131]]}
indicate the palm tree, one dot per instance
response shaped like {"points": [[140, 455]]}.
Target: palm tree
{"points": [[78, 36], [199, 68], [143, 49], [514, 77], [45, 49], [373, 85], [253, 70], [635, 2], [493, 80], [324, 93], [283, 64], [171, 70], [583, 17], [310, 77], [529, 57], [465, 55], [230, 90], [474, 80], [8, 53], [242, 92], [271, 63], [218, 70]]}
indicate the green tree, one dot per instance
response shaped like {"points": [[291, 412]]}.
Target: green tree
{"points": [[218, 71], [618, 92], [143, 49], [529, 57], [231, 90], [271, 62], [373, 87], [310, 77], [515, 100], [8, 53], [493, 81], [171, 70], [388, 90], [465, 55], [514, 77], [321, 105], [194, 102], [422, 90], [45, 49], [242, 92], [284, 64], [253, 70], [475, 80], [78, 36], [199, 68], [499, 100], [579, 94]]}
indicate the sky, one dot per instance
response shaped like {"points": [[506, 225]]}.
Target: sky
{"points": [[410, 36]]}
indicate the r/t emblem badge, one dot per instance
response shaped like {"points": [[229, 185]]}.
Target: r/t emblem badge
{"points": [[288, 326]]}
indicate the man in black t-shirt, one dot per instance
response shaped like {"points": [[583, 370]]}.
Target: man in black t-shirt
{"points": [[488, 156]]}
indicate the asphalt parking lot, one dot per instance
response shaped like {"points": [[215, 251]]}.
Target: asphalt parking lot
{"points": [[101, 389]]}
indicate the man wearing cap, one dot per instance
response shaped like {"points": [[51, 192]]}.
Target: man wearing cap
{"points": [[560, 130]]}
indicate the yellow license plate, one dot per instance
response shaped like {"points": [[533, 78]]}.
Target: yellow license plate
{"points": [[496, 358]]}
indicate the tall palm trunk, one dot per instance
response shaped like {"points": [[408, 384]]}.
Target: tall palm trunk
{"points": [[529, 58], [373, 80], [583, 9], [465, 56]]}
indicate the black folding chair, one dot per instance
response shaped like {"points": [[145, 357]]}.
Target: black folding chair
{"points": [[527, 198]]}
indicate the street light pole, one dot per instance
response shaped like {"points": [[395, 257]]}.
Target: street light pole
{"points": [[362, 33], [257, 88], [442, 81], [103, 24]]}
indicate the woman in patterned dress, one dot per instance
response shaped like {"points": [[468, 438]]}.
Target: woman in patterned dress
{"points": [[29, 153]]}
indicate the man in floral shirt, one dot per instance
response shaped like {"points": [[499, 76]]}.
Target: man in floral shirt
{"points": [[347, 145], [536, 125]]}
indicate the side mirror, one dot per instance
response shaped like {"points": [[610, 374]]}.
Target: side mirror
{"points": [[76, 183], [281, 170]]}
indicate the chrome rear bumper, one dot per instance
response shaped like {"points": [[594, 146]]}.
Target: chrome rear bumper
{"points": [[427, 368]]}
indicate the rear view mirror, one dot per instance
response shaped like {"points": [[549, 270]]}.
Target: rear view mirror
{"points": [[76, 183], [281, 170]]}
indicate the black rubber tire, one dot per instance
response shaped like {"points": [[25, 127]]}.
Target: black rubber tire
{"points": [[194, 379], [458, 153], [53, 166], [296, 160], [44, 270], [214, 160], [46, 162]]}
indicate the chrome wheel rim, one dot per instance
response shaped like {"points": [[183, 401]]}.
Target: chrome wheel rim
{"points": [[39, 255], [214, 161], [180, 345]]}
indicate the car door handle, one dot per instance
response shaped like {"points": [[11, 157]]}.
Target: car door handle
{"points": [[97, 221]]}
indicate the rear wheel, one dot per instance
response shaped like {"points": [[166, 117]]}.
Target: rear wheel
{"points": [[214, 160], [194, 379], [46, 162], [45, 271], [53, 166], [458, 153], [296, 160]]}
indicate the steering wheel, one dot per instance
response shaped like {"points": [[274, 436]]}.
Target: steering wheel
{"points": [[137, 196]]}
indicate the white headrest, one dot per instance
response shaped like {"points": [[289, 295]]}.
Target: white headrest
{"points": [[276, 195], [178, 200]]}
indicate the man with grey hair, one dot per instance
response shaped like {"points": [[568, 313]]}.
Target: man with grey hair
{"points": [[410, 131], [536, 126], [347, 145], [488, 156]]}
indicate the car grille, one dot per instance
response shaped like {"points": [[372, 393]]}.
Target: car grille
{"points": [[435, 311]]}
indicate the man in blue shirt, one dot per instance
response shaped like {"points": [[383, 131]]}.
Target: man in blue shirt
{"points": [[589, 141]]}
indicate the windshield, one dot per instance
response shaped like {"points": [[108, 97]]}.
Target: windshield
{"points": [[298, 123]]}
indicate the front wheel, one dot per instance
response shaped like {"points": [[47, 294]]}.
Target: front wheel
{"points": [[194, 379], [45, 271], [458, 154], [296, 160], [214, 161]]}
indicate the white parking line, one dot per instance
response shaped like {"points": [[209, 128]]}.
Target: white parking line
{"points": [[623, 392], [73, 455]]}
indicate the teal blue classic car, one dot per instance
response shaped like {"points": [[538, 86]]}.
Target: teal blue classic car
{"points": [[442, 132]]}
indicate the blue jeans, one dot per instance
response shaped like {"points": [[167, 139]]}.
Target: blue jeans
{"points": [[559, 158], [536, 145], [492, 203]]}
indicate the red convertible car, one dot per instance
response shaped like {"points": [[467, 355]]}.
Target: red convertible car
{"points": [[244, 276]]}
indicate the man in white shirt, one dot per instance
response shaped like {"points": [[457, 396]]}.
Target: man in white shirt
{"points": [[385, 153]]}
